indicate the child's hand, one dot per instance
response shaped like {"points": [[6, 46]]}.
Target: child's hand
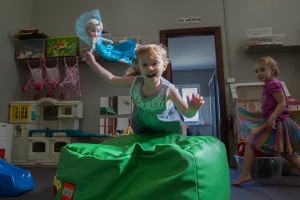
{"points": [[271, 125], [195, 102], [88, 57]]}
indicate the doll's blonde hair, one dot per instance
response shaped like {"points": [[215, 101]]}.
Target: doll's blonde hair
{"points": [[152, 49], [270, 63], [92, 23]]}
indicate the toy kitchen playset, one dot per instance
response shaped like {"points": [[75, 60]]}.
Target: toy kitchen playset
{"points": [[41, 128]]}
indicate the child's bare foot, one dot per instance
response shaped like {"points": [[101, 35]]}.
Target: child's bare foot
{"points": [[241, 179]]}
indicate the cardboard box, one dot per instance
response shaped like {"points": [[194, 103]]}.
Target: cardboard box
{"points": [[30, 49], [62, 46], [263, 167]]}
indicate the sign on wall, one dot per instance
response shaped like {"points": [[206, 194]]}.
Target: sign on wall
{"points": [[189, 19]]}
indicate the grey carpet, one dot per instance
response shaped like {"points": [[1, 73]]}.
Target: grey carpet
{"points": [[287, 187]]}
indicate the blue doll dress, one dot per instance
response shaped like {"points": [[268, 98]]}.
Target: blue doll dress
{"points": [[151, 115], [123, 52]]}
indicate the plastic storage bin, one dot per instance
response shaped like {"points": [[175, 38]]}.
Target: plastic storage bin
{"points": [[30, 49], [263, 167], [259, 31], [62, 46], [258, 40]]}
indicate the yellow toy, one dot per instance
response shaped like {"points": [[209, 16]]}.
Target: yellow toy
{"points": [[128, 131]]}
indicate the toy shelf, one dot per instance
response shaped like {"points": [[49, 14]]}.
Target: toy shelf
{"points": [[273, 49], [34, 63]]}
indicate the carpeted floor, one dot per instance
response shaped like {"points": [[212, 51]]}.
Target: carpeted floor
{"points": [[287, 187]]}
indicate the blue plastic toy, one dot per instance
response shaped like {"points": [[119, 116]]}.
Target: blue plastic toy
{"points": [[14, 180]]}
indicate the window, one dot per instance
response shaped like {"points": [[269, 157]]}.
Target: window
{"points": [[188, 90]]}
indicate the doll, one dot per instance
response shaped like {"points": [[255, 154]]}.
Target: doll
{"points": [[89, 28]]}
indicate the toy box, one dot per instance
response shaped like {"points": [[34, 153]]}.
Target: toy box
{"points": [[62, 46], [30, 49], [263, 167]]}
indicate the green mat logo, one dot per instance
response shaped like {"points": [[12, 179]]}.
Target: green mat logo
{"points": [[68, 191]]}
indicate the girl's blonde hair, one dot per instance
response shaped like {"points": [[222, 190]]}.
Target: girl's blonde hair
{"points": [[269, 62], [91, 23], [152, 49]]}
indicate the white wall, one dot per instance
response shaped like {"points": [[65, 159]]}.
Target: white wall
{"points": [[121, 18], [284, 17], [146, 18], [14, 14]]}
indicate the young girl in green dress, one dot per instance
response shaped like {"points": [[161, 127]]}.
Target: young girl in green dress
{"points": [[156, 100]]}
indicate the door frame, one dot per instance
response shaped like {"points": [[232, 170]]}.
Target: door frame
{"points": [[216, 31]]}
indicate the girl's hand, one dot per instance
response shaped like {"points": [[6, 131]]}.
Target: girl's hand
{"points": [[195, 102], [271, 124], [89, 58]]}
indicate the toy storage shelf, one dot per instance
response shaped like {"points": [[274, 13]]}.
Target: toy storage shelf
{"points": [[49, 61], [273, 49], [53, 61]]}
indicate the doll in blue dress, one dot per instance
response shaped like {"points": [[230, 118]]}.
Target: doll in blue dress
{"points": [[89, 29]]}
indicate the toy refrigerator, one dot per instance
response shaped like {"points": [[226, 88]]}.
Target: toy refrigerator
{"points": [[6, 135]]}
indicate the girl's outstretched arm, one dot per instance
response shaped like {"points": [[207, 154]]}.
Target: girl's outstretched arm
{"points": [[188, 109], [105, 74]]}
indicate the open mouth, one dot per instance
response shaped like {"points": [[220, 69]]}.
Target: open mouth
{"points": [[151, 75]]}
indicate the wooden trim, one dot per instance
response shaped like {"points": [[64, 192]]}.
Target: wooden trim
{"points": [[216, 31]]}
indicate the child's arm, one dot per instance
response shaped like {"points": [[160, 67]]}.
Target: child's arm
{"points": [[188, 109], [105, 74], [281, 103]]}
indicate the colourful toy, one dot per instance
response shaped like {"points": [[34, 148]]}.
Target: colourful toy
{"points": [[53, 77], [128, 131], [14, 180], [48, 78], [89, 28], [37, 78], [62, 46], [72, 79]]}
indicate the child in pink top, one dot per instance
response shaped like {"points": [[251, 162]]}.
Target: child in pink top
{"points": [[274, 132]]}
